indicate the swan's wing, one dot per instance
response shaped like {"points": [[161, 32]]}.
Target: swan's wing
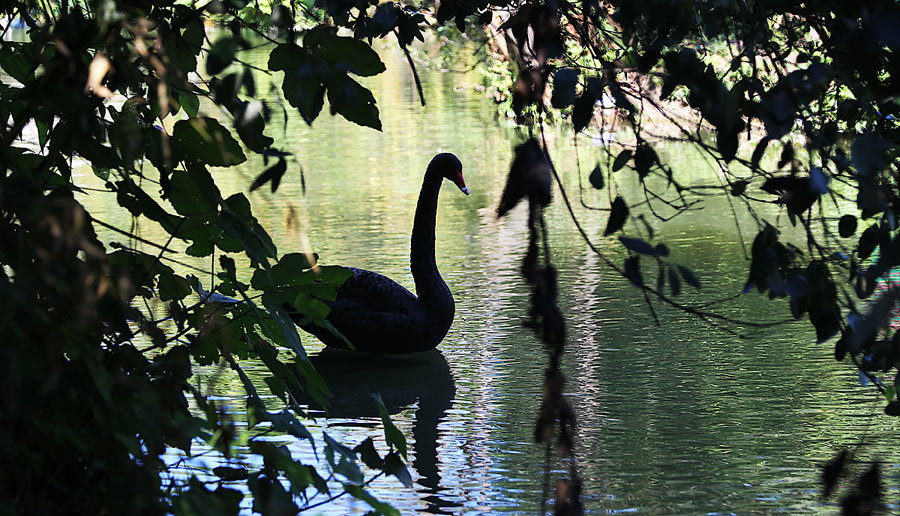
{"points": [[368, 291]]}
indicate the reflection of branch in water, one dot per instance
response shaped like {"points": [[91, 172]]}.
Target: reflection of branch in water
{"points": [[402, 380]]}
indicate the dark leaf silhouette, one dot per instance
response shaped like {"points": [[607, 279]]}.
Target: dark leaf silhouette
{"points": [[596, 178], [272, 174], [847, 226], [617, 216]]}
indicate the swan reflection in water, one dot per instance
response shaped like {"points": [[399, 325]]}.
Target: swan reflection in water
{"points": [[403, 380]]}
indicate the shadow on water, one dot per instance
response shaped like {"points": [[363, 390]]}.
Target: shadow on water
{"points": [[403, 380]]}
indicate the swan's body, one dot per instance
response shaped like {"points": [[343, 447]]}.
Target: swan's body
{"points": [[378, 315]]}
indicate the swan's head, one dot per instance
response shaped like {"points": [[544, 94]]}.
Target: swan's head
{"points": [[449, 167]]}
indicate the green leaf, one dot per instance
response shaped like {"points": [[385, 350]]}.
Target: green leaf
{"points": [[285, 422], [194, 33], [288, 272], [596, 178], [238, 222], [172, 286], [190, 103], [15, 61], [315, 385], [205, 140], [353, 102], [220, 55], [393, 436], [194, 192], [346, 460], [198, 500], [307, 305], [380, 507]]}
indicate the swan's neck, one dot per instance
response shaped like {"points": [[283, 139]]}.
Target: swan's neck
{"points": [[430, 287]]}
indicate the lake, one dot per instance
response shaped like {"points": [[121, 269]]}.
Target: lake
{"points": [[675, 418]]}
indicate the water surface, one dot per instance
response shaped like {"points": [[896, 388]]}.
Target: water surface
{"points": [[672, 419]]}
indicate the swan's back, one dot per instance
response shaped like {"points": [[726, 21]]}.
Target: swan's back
{"points": [[377, 314]]}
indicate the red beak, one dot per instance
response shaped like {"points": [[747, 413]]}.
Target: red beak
{"points": [[460, 182]]}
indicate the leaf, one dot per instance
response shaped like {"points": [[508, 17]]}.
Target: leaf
{"points": [[633, 271], [892, 408], [847, 226], [230, 474], [674, 281], [15, 61], [310, 306], [832, 471], [272, 174], [238, 222], [583, 110], [353, 102], [689, 277], [190, 103], [285, 422], [818, 180], [304, 92], [867, 154], [758, 152], [220, 55], [204, 140], [564, 81], [617, 216], [392, 435], [346, 462], [394, 466], [172, 286], [596, 178], [194, 192], [621, 160], [369, 454], [867, 242], [249, 122], [644, 159], [380, 507], [347, 54], [290, 272], [193, 34], [288, 330], [739, 187], [638, 246]]}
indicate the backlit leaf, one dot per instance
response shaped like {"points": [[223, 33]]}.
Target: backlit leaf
{"points": [[392, 435]]}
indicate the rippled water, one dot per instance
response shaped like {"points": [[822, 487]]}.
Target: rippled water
{"points": [[677, 418]]}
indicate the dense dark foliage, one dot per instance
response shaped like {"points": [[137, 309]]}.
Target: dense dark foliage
{"points": [[795, 102]]}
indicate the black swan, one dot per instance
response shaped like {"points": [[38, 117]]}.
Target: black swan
{"points": [[376, 314]]}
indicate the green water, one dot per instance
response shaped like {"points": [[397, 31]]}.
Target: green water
{"points": [[672, 419]]}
